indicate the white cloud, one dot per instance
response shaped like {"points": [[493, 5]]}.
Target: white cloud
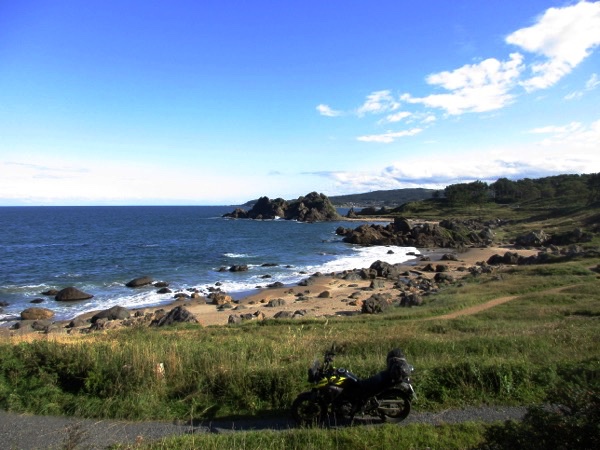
{"points": [[553, 129], [356, 182], [564, 36], [570, 148], [327, 111], [390, 136], [396, 117], [572, 135], [474, 87], [437, 172], [574, 95], [592, 83], [558, 40], [378, 102]]}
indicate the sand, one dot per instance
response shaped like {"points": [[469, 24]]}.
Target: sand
{"points": [[313, 301], [327, 296]]}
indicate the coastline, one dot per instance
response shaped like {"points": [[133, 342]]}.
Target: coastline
{"points": [[338, 302], [327, 295]]}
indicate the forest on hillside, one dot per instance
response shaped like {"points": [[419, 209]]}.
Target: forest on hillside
{"points": [[502, 191], [505, 191]]}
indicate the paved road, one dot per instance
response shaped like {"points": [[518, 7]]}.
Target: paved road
{"points": [[25, 432]]}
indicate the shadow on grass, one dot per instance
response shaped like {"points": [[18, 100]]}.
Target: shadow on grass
{"points": [[271, 420]]}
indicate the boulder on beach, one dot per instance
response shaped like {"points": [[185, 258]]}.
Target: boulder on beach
{"points": [[70, 294], [177, 315], [114, 313], [77, 322], [386, 270], [375, 304], [139, 282], [276, 302], [37, 314], [220, 298], [442, 277]]}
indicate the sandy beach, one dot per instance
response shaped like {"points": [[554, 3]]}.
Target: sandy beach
{"points": [[330, 296], [326, 295]]}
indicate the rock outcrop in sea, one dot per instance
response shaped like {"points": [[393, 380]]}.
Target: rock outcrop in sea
{"points": [[71, 293], [313, 207]]}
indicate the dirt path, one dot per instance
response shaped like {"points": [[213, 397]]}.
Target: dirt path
{"points": [[490, 304]]}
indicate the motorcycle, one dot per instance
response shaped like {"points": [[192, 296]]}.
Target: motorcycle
{"points": [[339, 395]]}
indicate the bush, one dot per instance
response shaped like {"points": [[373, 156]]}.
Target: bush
{"points": [[570, 421]]}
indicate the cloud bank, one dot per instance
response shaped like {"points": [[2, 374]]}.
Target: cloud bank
{"points": [[513, 163]]}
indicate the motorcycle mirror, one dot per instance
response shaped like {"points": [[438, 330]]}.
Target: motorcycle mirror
{"points": [[329, 354]]}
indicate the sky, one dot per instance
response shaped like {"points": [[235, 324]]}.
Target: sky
{"points": [[183, 102]]}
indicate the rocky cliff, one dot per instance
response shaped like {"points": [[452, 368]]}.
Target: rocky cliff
{"points": [[313, 207]]}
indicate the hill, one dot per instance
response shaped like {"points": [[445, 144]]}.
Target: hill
{"points": [[394, 197], [381, 198]]}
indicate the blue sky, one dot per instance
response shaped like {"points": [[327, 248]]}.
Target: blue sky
{"points": [[199, 103]]}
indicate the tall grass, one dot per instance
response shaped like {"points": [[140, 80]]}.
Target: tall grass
{"points": [[509, 354], [387, 437]]}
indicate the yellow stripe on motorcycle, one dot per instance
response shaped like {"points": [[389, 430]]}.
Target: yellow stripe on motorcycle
{"points": [[337, 380]]}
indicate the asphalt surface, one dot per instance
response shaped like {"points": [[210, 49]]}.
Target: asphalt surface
{"points": [[25, 432]]}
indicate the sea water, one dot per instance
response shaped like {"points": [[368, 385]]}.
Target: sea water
{"points": [[98, 249]]}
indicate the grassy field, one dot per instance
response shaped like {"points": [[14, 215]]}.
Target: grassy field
{"points": [[515, 353]]}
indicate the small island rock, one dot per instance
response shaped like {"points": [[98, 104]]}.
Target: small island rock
{"points": [[139, 282], [71, 294]]}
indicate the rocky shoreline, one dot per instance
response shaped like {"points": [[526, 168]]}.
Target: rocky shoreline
{"points": [[449, 250], [357, 291]]}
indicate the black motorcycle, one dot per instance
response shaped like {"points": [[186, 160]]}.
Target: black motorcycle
{"points": [[339, 396]]}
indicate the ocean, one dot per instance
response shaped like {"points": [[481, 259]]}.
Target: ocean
{"points": [[98, 249]]}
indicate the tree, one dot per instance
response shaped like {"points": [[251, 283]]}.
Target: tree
{"points": [[476, 193], [504, 190], [527, 189], [593, 184]]}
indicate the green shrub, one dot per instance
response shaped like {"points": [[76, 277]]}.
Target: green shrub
{"points": [[569, 420]]}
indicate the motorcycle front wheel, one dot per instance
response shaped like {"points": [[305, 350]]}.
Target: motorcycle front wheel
{"points": [[393, 406], [306, 410]]}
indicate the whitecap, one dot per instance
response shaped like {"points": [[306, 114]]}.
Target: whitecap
{"points": [[236, 255], [363, 257]]}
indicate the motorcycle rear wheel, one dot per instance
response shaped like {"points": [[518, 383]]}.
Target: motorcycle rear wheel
{"points": [[393, 406], [306, 410]]}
